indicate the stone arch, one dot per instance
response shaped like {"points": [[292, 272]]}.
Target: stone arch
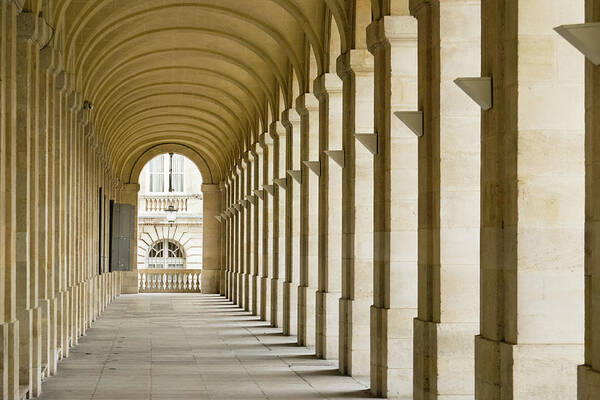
{"points": [[132, 174]]}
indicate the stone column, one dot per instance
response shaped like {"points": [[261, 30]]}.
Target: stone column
{"points": [[230, 237], [267, 217], [241, 235], [393, 42], [589, 372], [279, 134], [355, 68], [532, 205], [291, 121], [44, 241], [258, 199], [32, 33], [211, 205], [307, 107], [53, 199], [223, 232], [449, 168], [129, 195], [61, 214], [328, 89], [247, 236], [9, 329], [256, 204]]}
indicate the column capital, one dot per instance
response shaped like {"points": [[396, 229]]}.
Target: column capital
{"points": [[259, 146], [417, 5], [326, 84], [73, 100], [306, 103], [129, 193], [18, 4], [60, 81], [210, 187], [391, 31], [252, 153], [355, 61], [32, 27], [276, 129], [266, 139], [290, 117]]}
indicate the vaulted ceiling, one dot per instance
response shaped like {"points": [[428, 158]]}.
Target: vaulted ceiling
{"points": [[206, 74]]}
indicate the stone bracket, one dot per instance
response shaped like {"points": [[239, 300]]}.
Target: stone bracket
{"points": [[584, 37], [259, 193], [479, 89], [270, 189], [314, 166], [337, 156], [281, 182], [369, 140], [296, 174], [413, 120], [251, 199]]}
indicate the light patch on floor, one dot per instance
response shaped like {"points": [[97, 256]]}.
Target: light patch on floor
{"points": [[188, 346]]}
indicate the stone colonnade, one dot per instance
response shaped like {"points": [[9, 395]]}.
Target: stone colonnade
{"points": [[55, 194], [442, 256]]}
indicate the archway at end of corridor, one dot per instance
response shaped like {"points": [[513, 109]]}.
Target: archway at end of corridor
{"points": [[167, 212]]}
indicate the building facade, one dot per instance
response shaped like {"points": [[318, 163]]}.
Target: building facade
{"points": [[169, 239]]}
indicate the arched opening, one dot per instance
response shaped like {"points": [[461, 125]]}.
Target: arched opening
{"points": [[169, 214]]}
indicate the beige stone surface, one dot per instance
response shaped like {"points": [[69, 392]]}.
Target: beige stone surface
{"points": [[186, 346]]}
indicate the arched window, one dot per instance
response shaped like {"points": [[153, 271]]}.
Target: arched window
{"points": [[165, 253]]}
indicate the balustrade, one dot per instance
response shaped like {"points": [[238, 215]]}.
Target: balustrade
{"points": [[169, 280], [160, 203]]}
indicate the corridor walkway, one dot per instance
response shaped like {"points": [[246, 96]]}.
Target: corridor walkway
{"points": [[185, 346]]}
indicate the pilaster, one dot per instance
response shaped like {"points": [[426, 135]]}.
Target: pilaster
{"points": [[211, 205], [328, 89], [279, 135], [307, 106], [532, 184], [291, 121], [355, 68]]}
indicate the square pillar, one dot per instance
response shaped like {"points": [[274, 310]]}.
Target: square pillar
{"points": [[211, 206], [532, 205]]}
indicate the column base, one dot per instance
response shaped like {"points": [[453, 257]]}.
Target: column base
{"points": [[290, 308], [443, 359], [239, 293], [209, 281], [505, 370], [255, 297], [354, 337], [276, 304], [392, 352], [52, 336], [588, 383], [306, 317], [246, 298], [327, 325], [36, 352], [129, 282], [264, 298], [63, 319], [9, 339]]}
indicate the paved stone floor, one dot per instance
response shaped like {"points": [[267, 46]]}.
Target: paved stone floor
{"points": [[186, 346]]}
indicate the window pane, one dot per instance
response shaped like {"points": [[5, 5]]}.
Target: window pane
{"points": [[177, 163], [177, 182], [157, 182]]}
